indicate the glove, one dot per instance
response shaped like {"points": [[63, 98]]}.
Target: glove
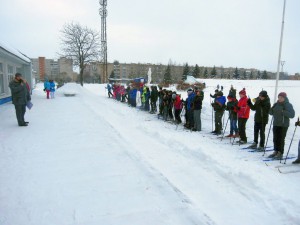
{"points": [[297, 123]]}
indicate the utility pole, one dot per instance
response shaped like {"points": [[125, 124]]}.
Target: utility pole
{"points": [[279, 56], [103, 14]]}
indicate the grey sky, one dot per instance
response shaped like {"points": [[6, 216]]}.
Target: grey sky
{"points": [[233, 33]]}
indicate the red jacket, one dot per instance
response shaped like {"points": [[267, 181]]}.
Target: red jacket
{"points": [[177, 103], [243, 110]]}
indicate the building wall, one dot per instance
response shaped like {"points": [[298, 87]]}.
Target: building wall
{"points": [[11, 63], [52, 69]]}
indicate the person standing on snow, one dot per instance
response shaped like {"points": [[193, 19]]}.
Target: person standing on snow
{"points": [[20, 96], [47, 87], [282, 111], [243, 111], [219, 107], [197, 106], [189, 109], [108, 87], [52, 88], [261, 107], [231, 105]]}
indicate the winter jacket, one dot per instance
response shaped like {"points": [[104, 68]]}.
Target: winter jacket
{"points": [[262, 108], [19, 92], [242, 109], [178, 103], [230, 107], [154, 95], [190, 99], [52, 86], [219, 104], [282, 113], [197, 103], [47, 85], [143, 94], [108, 87]]}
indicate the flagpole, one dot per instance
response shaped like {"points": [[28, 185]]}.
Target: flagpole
{"points": [[279, 57]]}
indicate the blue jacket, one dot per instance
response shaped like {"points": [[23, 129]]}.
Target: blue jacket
{"points": [[52, 86], [219, 104], [190, 100], [47, 85], [108, 87]]}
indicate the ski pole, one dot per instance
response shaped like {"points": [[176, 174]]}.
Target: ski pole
{"points": [[290, 144], [268, 135], [212, 116], [225, 127]]}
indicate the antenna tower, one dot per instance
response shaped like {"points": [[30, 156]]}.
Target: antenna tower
{"points": [[103, 14]]}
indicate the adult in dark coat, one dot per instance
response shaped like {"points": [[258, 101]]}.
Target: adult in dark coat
{"points": [[261, 107], [282, 111], [20, 96], [197, 106]]}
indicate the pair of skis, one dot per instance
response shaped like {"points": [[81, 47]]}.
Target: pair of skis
{"points": [[287, 168]]}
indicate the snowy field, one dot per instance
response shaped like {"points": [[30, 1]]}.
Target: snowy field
{"points": [[89, 160]]}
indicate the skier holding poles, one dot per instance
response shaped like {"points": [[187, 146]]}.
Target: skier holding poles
{"points": [[282, 112], [261, 107], [231, 104]]}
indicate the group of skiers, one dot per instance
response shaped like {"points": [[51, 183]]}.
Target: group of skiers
{"points": [[171, 107]]}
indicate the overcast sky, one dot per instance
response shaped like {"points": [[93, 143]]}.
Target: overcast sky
{"points": [[229, 33]]}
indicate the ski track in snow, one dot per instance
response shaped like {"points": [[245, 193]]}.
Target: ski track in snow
{"points": [[184, 177], [165, 144]]}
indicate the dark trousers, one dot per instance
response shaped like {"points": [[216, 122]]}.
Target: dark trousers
{"points": [[279, 134], [20, 112], [190, 118], [218, 121], [153, 106], [242, 128], [177, 115], [110, 94], [259, 128]]}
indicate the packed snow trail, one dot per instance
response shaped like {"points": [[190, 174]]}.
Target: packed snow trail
{"points": [[188, 163], [91, 160]]}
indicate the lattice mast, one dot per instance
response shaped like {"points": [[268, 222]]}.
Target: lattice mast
{"points": [[103, 14]]}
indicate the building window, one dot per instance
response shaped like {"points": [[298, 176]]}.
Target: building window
{"points": [[10, 73], [1, 79]]}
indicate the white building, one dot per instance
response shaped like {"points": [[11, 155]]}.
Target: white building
{"points": [[12, 62]]}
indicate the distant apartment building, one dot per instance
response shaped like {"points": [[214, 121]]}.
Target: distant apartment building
{"points": [[52, 69]]}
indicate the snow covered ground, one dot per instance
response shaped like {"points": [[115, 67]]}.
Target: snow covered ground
{"points": [[89, 160]]}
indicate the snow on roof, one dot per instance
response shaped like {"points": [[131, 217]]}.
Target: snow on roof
{"points": [[14, 52], [190, 80]]}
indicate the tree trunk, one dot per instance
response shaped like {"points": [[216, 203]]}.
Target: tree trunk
{"points": [[81, 76]]}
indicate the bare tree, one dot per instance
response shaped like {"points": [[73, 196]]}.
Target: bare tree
{"points": [[81, 44]]}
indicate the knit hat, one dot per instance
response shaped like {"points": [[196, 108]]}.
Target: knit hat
{"points": [[243, 92], [263, 94], [282, 94]]}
